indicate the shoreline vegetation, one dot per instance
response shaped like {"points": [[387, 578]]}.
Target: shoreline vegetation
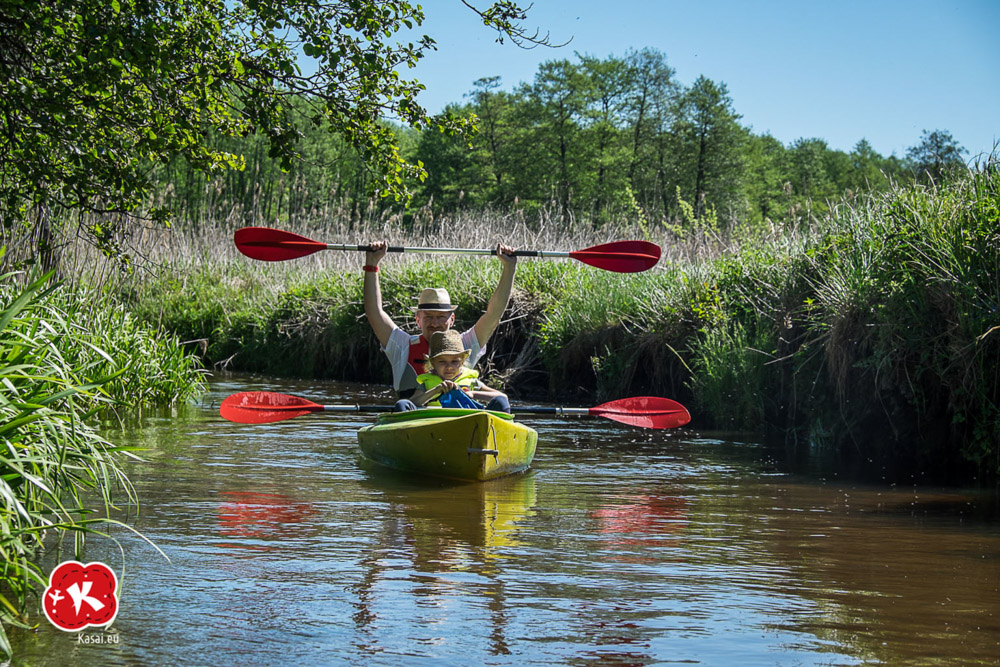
{"points": [[871, 336], [69, 356]]}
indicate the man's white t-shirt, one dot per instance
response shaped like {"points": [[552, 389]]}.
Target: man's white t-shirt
{"points": [[397, 348]]}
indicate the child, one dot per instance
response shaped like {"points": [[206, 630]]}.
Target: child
{"points": [[447, 373]]}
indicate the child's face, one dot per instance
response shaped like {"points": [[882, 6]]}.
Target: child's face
{"points": [[448, 366]]}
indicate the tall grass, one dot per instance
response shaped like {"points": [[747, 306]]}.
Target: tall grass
{"points": [[63, 357]]}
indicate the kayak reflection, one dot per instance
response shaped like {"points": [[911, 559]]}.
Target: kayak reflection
{"points": [[441, 520], [454, 536]]}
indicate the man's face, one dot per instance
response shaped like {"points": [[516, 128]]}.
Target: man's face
{"points": [[430, 321]]}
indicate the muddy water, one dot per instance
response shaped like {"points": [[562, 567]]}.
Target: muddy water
{"points": [[620, 546]]}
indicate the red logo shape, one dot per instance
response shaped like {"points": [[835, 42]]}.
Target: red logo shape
{"points": [[81, 595]]}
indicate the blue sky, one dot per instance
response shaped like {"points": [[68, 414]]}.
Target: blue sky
{"points": [[883, 70]]}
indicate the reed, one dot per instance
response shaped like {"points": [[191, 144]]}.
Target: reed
{"points": [[152, 247]]}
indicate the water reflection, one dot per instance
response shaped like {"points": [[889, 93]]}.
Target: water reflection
{"points": [[464, 530], [265, 518], [619, 546]]}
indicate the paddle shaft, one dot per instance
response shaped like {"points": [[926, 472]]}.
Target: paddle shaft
{"points": [[451, 251], [351, 408], [567, 412]]}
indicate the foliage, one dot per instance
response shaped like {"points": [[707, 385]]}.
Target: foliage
{"points": [[50, 456], [588, 139], [936, 156], [94, 95], [728, 379], [65, 356], [709, 142]]}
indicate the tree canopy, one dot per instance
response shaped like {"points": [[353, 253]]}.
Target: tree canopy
{"points": [[94, 94], [936, 155], [146, 106]]}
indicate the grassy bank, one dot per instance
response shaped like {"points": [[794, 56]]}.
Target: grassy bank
{"points": [[66, 355], [870, 335]]}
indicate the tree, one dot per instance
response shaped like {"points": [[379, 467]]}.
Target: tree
{"points": [[606, 98], [866, 167], [936, 156], [766, 173], [554, 106], [809, 175], [650, 114], [711, 143], [95, 93], [456, 176], [493, 109]]}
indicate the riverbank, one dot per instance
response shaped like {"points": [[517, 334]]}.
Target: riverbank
{"points": [[870, 335]]}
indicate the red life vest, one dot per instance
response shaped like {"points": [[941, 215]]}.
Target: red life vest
{"points": [[419, 347]]}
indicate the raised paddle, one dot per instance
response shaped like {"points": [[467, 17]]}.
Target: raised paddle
{"points": [[275, 245], [264, 407]]}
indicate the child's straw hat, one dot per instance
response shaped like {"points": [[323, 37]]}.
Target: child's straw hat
{"points": [[446, 342]]}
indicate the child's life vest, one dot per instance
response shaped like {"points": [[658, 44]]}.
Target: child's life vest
{"points": [[468, 378]]}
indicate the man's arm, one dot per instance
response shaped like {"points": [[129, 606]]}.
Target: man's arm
{"points": [[484, 394], [380, 322], [487, 324]]}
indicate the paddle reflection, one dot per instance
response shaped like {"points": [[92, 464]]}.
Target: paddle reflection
{"points": [[251, 518], [641, 520]]}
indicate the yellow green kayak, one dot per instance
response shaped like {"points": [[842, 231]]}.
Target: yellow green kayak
{"points": [[453, 443]]}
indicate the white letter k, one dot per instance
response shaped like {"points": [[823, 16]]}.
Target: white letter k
{"points": [[80, 596]]}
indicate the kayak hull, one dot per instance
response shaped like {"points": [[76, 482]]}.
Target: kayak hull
{"points": [[468, 445]]}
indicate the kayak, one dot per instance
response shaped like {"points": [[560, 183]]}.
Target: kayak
{"points": [[454, 443]]}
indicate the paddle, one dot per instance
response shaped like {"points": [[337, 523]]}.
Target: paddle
{"points": [[275, 245], [264, 407], [642, 411]]}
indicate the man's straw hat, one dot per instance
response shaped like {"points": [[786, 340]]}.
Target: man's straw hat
{"points": [[436, 299]]}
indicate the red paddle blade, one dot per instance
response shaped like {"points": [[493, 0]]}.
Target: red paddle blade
{"points": [[620, 256], [264, 407], [644, 411], [274, 245]]}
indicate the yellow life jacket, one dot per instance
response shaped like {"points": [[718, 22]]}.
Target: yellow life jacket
{"points": [[467, 378]]}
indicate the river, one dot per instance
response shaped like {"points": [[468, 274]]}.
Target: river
{"points": [[619, 546]]}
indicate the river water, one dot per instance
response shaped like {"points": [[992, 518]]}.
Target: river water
{"points": [[619, 546]]}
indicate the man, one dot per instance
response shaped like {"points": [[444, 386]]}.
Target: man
{"points": [[433, 312]]}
